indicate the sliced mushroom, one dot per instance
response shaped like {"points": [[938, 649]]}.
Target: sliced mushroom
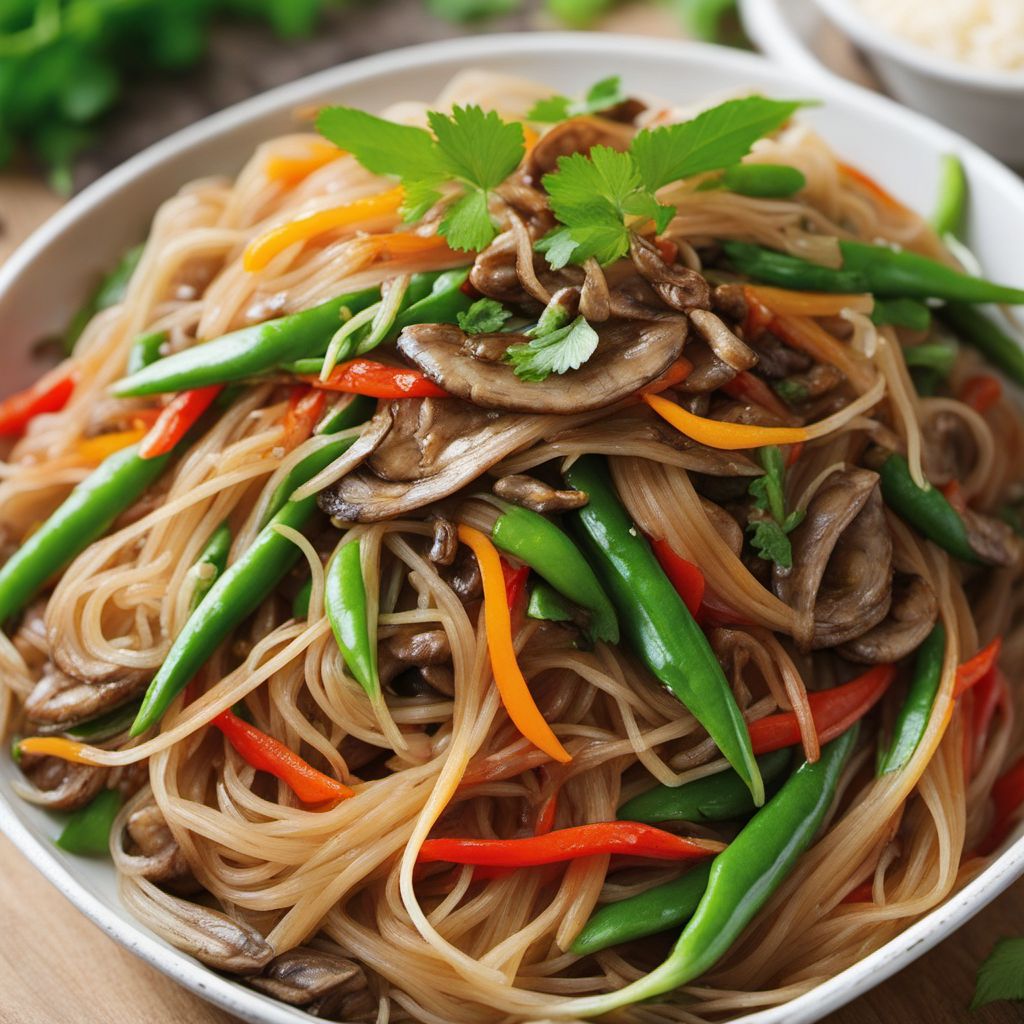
{"points": [[72, 660], [436, 447], [992, 540], [61, 700], [721, 340], [725, 525], [775, 360], [576, 135], [709, 373], [911, 616], [304, 975], [464, 577], [534, 494], [445, 543], [820, 380], [677, 286], [159, 857], [60, 785], [419, 647], [495, 273], [628, 356], [729, 300], [841, 580], [948, 450]]}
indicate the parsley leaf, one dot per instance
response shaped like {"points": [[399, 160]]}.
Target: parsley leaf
{"points": [[566, 349], [469, 148], [600, 96], [1002, 975], [717, 138], [769, 525], [483, 317]]}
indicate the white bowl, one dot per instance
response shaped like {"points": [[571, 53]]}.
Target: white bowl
{"points": [[986, 106], [45, 279]]}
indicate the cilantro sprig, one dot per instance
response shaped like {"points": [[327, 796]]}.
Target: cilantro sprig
{"points": [[468, 150], [769, 525], [484, 317], [600, 96], [593, 196], [557, 351]]}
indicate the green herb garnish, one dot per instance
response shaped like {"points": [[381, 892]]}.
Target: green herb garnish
{"points": [[600, 96], [483, 317], [558, 351], [769, 525], [1001, 976]]}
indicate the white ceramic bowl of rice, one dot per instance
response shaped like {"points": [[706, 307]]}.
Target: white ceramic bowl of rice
{"points": [[959, 61]]}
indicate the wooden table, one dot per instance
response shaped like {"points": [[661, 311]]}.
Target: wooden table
{"points": [[55, 965]]}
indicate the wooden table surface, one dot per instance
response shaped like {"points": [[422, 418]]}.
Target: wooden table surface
{"points": [[55, 965]]}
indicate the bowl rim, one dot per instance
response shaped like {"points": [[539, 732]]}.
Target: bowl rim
{"points": [[864, 974], [873, 39]]}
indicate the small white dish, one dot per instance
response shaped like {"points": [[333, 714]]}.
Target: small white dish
{"points": [[986, 106], [46, 279]]}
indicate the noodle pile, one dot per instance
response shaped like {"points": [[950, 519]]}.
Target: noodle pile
{"points": [[439, 946]]}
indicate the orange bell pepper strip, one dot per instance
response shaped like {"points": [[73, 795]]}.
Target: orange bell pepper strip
{"points": [[290, 170], [514, 691]]}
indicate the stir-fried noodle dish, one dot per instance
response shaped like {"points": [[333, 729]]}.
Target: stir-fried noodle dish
{"points": [[526, 557]]}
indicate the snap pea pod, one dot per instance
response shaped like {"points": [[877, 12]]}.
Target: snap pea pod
{"points": [[547, 604], [211, 562], [913, 716], [551, 553], [87, 832], [235, 595], [765, 181], [85, 516], [884, 272], [345, 602], [926, 510], [655, 620], [907, 313], [145, 350], [951, 206], [742, 879], [246, 352], [974, 328], [717, 797], [656, 910]]}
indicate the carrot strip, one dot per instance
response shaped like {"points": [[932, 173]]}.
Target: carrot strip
{"points": [[869, 184], [721, 434], [262, 249], [514, 691], [56, 746], [747, 388], [794, 303]]}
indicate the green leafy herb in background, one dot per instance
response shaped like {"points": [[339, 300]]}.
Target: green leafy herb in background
{"points": [[600, 96], [769, 523], [1001, 976]]}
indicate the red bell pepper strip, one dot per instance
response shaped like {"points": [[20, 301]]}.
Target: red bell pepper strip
{"points": [[606, 837], [981, 392], [833, 711], [975, 669], [515, 583], [266, 754], [365, 377], [667, 250], [177, 419], [683, 575], [989, 693], [1007, 795], [305, 406], [747, 388], [49, 394], [860, 893]]}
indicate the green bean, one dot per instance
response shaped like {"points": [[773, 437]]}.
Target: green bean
{"points": [[345, 601], [766, 181], [210, 563], [145, 350], [907, 313], [87, 832], [974, 328]]}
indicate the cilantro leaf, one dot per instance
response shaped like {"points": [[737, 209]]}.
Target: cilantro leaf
{"points": [[476, 147], [483, 317], [1002, 974], [558, 246], [717, 138], [558, 352], [382, 146], [768, 524], [600, 96], [467, 222]]}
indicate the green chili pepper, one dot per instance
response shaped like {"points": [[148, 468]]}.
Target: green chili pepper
{"points": [[743, 877], [345, 601], [87, 832], [214, 555], [925, 509], [913, 716], [348, 412], [718, 797], [111, 291], [765, 181], [951, 205], [902, 313], [112, 723], [551, 553], [300, 603], [547, 604], [974, 328], [884, 272], [235, 595], [441, 305], [656, 621], [656, 910], [247, 352], [145, 350], [86, 514]]}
